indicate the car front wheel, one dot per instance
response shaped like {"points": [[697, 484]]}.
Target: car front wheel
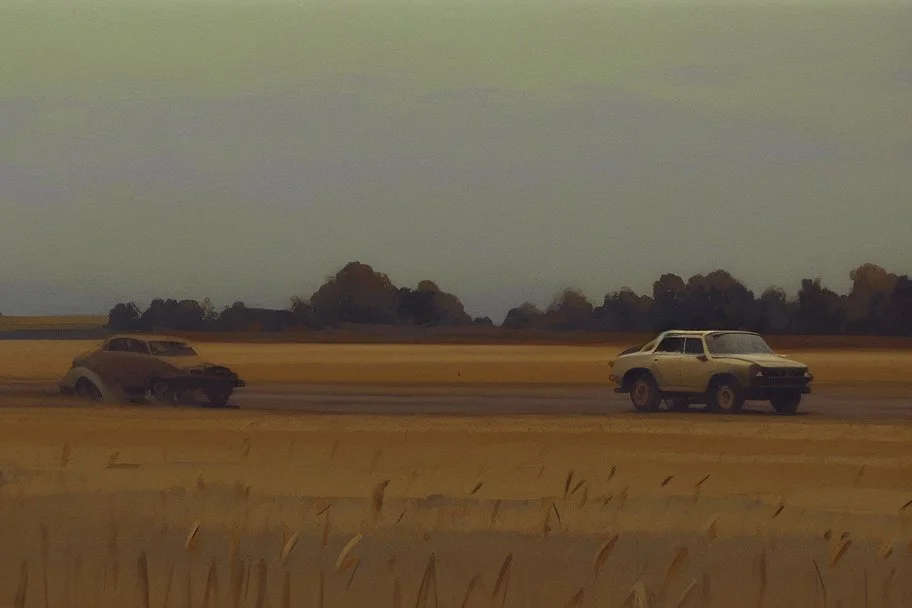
{"points": [[644, 394], [218, 398], [163, 392], [786, 403], [725, 396]]}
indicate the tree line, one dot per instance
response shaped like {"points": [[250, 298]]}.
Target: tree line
{"points": [[878, 303]]}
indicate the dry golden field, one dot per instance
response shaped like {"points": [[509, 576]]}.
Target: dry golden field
{"points": [[879, 371], [134, 506], [148, 507]]}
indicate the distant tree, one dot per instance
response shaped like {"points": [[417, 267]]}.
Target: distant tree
{"points": [[482, 321], [303, 314], [525, 316], [669, 310], [569, 310], [718, 301], [773, 313], [417, 307], [210, 314], [235, 317], [357, 294], [623, 310], [820, 310], [900, 308], [124, 317], [867, 305]]}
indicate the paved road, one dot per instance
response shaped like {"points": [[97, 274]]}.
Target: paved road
{"points": [[485, 401], [493, 401]]}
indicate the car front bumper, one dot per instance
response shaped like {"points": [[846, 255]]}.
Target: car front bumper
{"points": [[207, 382]]}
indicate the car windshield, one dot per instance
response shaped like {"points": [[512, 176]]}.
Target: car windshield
{"points": [[736, 344], [171, 349]]}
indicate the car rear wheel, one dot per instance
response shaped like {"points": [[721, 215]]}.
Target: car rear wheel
{"points": [[644, 394], [86, 389], [725, 396], [786, 403]]}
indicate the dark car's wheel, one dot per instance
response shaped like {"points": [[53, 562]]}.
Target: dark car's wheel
{"points": [[786, 403], [86, 389], [163, 392], [644, 394], [218, 398], [725, 396]]}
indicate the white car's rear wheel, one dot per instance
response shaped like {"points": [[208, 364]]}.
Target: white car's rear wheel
{"points": [[644, 394]]}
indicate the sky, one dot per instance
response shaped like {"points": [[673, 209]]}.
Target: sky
{"points": [[505, 149]]}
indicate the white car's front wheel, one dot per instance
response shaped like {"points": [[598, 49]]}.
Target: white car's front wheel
{"points": [[726, 396]]}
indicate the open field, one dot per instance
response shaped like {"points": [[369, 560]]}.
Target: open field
{"points": [[145, 507], [259, 506], [875, 371]]}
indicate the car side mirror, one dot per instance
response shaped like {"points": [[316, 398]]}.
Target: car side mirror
{"points": [[702, 358]]}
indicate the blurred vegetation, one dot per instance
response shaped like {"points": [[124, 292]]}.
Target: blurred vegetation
{"points": [[879, 303]]}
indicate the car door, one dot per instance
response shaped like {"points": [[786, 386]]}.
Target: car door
{"points": [[666, 361], [135, 364], [694, 368], [111, 364]]}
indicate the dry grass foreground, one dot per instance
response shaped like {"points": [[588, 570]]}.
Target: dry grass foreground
{"points": [[136, 507], [874, 371]]}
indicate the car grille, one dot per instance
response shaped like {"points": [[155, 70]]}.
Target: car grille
{"points": [[783, 373]]}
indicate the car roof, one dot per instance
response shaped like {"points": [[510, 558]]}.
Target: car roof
{"points": [[148, 338], [695, 333]]}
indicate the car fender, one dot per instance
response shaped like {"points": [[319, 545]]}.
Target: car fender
{"points": [[68, 382]]}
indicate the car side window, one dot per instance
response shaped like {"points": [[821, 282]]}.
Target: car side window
{"points": [[118, 345], [694, 346], [136, 346], [671, 345]]}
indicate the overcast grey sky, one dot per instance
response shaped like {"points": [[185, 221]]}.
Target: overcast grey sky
{"points": [[503, 148]]}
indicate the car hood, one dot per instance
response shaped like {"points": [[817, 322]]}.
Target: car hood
{"points": [[184, 362], [764, 359]]}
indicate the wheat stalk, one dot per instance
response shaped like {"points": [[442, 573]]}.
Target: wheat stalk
{"points": [[886, 594], [822, 584], [429, 579], [191, 535], [22, 589], [168, 585], [603, 553], [286, 591], [568, 482], [348, 547], [577, 600], [142, 572], [377, 497], [503, 581], [838, 555], [690, 594], [676, 564], [212, 586], [638, 597], [473, 583], [288, 546], [261, 588]]}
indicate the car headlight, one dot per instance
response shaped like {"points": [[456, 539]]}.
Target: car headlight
{"points": [[754, 370]]}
